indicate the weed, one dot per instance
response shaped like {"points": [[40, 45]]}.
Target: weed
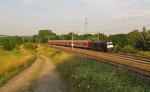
{"points": [[85, 75]]}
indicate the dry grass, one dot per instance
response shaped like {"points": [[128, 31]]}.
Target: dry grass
{"points": [[144, 53], [56, 55], [13, 62]]}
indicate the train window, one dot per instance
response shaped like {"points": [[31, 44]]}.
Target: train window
{"points": [[109, 43], [84, 44], [96, 44]]}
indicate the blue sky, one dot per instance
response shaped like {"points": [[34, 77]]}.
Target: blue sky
{"points": [[26, 17]]}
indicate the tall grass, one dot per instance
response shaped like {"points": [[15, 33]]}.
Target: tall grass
{"points": [[13, 62], [83, 75]]}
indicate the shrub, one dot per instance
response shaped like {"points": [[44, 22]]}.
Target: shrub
{"points": [[30, 46], [129, 49], [10, 43], [118, 49]]}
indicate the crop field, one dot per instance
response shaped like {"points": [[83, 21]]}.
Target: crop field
{"points": [[13, 62]]}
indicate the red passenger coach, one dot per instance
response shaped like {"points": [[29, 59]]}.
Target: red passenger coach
{"points": [[75, 43]]}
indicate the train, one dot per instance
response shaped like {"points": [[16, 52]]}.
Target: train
{"points": [[99, 45]]}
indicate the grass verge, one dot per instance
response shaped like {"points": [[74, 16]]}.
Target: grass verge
{"points": [[139, 53], [83, 75], [4, 77], [13, 62]]}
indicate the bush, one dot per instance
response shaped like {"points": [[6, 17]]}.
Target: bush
{"points": [[129, 49], [10, 43], [118, 49], [30, 46]]}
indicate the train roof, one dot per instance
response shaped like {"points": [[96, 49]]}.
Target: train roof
{"points": [[82, 40], [102, 41], [71, 40]]}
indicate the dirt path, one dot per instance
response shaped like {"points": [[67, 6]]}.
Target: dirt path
{"points": [[48, 80], [22, 80]]}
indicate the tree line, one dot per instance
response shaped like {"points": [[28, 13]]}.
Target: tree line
{"points": [[136, 40]]}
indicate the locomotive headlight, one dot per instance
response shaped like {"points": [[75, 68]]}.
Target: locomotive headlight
{"points": [[110, 46]]}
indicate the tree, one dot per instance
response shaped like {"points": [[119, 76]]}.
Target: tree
{"points": [[69, 36], [12, 42], [102, 36], [120, 40], [35, 38], [45, 35], [132, 37], [143, 40], [86, 37]]}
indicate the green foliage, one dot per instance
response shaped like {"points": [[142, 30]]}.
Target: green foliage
{"points": [[31, 47], [86, 37], [132, 37], [144, 53], [102, 36], [45, 35], [143, 40], [83, 75], [129, 49], [35, 38], [120, 40], [137, 39], [69, 36], [56, 52], [9, 43], [118, 49]]}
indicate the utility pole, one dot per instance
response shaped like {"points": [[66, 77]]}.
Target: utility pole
{"points": [[98, 36], [39, 40], [72, 41], [29, 40], [62, 36], [36, 40], [49, 38], [23, 39]]}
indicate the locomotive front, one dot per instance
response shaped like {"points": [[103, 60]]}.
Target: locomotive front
{"points": [[110, 46]]}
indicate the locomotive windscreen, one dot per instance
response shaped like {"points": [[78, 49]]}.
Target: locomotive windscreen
{"points": [[109, 43]]}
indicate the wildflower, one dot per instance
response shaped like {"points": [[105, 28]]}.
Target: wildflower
{"points": [[88, 86]]}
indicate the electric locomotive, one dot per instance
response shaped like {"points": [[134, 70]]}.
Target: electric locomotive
{"points": [[104, 45]]}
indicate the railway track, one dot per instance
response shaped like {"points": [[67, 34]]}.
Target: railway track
{"points": [[140, 66], [131, 58], [145, 59]]}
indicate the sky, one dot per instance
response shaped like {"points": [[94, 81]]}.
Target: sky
{"points": [[27, 17]]}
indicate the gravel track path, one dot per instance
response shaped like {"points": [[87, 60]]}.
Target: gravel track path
{"points": [[47, 81], [21, 80]]}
